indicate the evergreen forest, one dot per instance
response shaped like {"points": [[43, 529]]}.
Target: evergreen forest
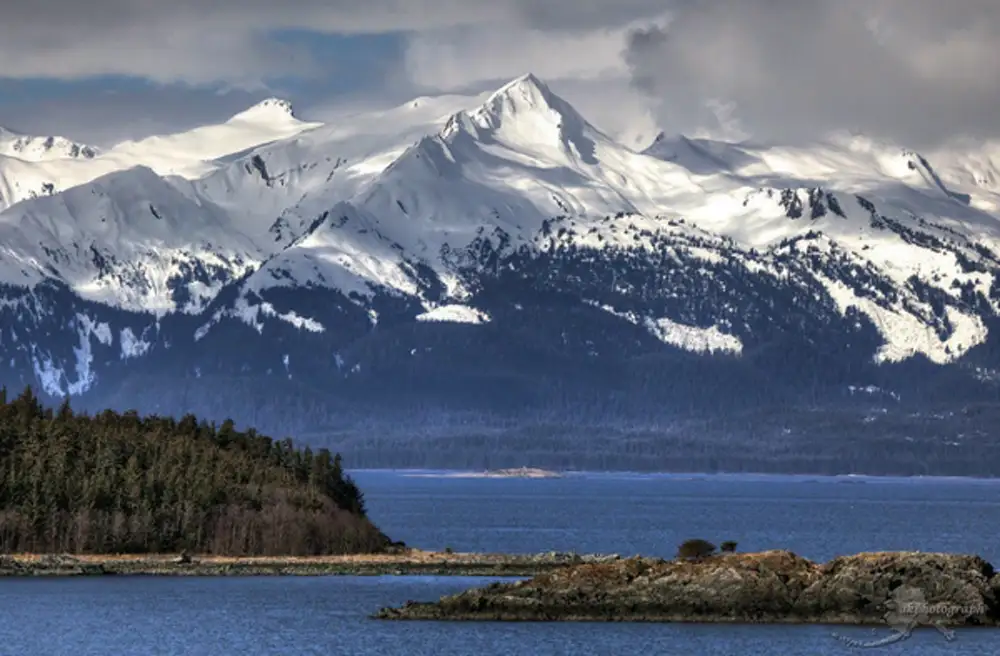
{"points": [[120, 483]]}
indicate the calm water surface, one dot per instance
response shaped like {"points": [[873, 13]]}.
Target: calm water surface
{"points": [[818, 518]]}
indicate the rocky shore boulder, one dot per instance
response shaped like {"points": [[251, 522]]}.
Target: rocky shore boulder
{"points": [[949, 589], [772, 586], [9, 564]]}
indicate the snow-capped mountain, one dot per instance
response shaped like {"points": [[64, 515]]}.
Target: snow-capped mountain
{"points": [[41, 166], [491, 252]]}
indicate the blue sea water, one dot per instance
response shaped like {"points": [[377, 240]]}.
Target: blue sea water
{"points": [[612, 513]]}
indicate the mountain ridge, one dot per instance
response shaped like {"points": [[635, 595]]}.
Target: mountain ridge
{"points": [[189, 154], [503, 250], [37, 148]]}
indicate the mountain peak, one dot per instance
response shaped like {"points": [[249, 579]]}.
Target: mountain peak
{"points": [[527, 98], [666, 144], [527, 81], [270, 109], [37, 148], [526, 92]]}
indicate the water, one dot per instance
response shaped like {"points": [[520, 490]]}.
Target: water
{"points": [[605, 513], [818, 518]]}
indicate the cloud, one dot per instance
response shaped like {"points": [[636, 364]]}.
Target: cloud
{"points": [[456, 59], [103, 118], [916, 71], [261, 46], [234, 41], [190, 41]]}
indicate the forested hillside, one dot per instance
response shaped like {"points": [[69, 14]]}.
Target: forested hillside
{"points": [[121, 483]]}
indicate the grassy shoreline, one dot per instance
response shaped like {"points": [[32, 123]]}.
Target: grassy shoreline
{"points": [[412, 562]]}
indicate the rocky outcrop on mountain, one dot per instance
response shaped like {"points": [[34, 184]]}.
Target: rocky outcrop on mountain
{"points": [[902, 589]]}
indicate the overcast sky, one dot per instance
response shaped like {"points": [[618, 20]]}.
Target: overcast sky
{"points": [[913, 71]]}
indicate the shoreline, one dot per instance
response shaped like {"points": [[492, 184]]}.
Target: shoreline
{"points": [[413, 562]]}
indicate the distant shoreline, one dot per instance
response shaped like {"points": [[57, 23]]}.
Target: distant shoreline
{"points": [[742, 476], [407, 563], [516, 472]]}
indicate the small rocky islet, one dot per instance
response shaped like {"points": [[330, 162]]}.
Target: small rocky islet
{"points": [[898, 588]]}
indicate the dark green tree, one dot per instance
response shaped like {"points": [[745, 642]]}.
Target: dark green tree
{"points": [[695, 549]]}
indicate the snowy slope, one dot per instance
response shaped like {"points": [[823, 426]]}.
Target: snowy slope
{"points": [[236, 209], [847, 189], [120, 240], [429, 212], [191, 154], [521, 157], [280, 188]]}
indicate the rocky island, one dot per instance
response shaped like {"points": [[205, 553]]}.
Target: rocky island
{"points": [[902, 589]]}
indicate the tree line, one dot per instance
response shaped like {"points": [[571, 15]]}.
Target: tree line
{"points": [[120, 483]]}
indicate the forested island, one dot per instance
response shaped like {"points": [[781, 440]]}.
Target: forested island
{"points": [[118, 483]]}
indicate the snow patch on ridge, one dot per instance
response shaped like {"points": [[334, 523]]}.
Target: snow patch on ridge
{"points": [[49, 376], [54, 379], [692, 338], [88, 327], [683, 336], [252, 313], [904, 334], [455, 314], [131, 345]]}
